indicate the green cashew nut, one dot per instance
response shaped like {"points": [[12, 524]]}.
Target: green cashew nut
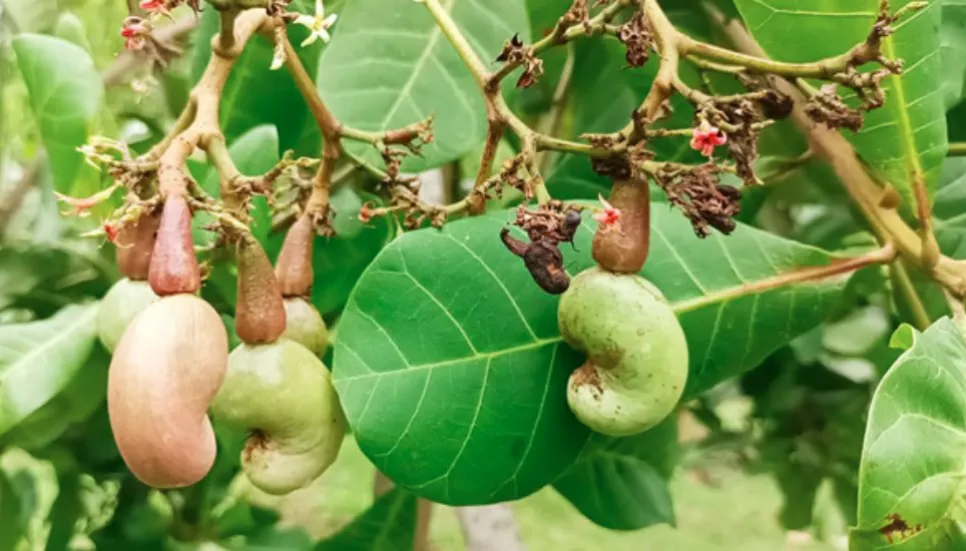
{"points": [[637, 355], [282, 393], [125, 300], [304, 325]]}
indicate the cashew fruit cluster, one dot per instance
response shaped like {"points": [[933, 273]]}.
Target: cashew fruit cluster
{"points": [[171, 363], [637, 354], [276, 386]]}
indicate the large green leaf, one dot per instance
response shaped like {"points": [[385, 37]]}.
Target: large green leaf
{"points": [[256, 95], [389, 525], [903, 140], [65, 94], [39, 359], [622, 483], [386, 72], [914, 454], [452, 371]]}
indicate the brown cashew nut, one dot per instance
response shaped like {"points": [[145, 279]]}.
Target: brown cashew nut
{"points": [[174, 268], [294, 266], [259, 312], [623, 250], [165, 371]]}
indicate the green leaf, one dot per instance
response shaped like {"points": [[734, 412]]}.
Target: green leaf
{"points": [[904, 337], [387, 72], [71, 28], [953, 43], [256, 95], [914, 453], [949, 220], [10, 518], [67, 509], [39, 359], [452, 371], [389, 525], [905, 139], [75, 404], [65, 95], [622, 483]]}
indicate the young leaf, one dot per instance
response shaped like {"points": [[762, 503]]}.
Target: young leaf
{"points": [[389, 525], [461, 413], [622, 483], [387, 72], [905, 139], [65, 94], [39, 359], [914, 453]]}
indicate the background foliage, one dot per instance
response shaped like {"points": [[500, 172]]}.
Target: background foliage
{"points": [[781, 380]]}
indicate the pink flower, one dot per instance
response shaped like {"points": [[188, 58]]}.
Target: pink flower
{"points": [[706, 138], [110, 231], [610, 216], [134, 32], [154, 5], [365, 213]]}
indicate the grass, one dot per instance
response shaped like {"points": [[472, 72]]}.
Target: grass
{"points": [[738, 514]]}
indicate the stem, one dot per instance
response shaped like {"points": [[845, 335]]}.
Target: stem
{"points": [[957, 149], [905, 286], [328, 123], [456, 38], [562, 34]]}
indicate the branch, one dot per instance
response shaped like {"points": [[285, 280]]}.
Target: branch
{"points": [[564, 31], [878, 204]]}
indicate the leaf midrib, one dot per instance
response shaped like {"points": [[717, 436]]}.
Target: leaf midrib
{"points": [[905, 124]]}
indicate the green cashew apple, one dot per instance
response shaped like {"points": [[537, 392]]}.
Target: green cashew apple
{"points": [[637, 355], [304, 325], [126, 299], [283, 394]]}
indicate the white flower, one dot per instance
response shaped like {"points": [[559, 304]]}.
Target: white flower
{"points": [[318, 24]]}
